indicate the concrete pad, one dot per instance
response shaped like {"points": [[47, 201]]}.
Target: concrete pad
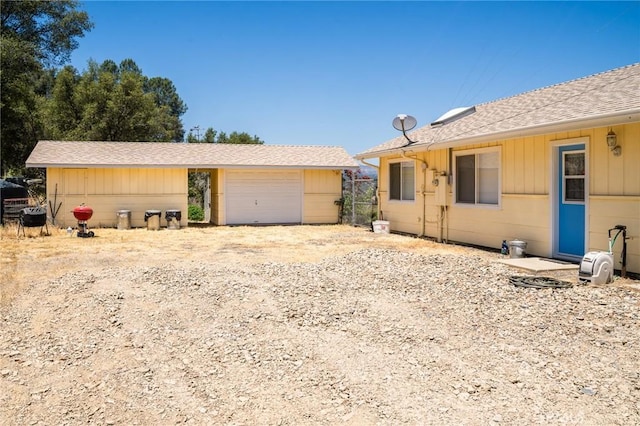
{"points": [[537, 264]]}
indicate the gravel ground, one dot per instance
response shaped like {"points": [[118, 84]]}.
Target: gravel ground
{"points": [[385, 334]]}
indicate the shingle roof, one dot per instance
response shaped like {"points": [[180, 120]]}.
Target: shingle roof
{"points": [[198, 155], [608, 98]]}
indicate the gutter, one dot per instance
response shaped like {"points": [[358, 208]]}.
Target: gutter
{"points": [[181, 166]]}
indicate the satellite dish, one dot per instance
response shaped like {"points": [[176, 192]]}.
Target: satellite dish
{"points": [[404, 123]]}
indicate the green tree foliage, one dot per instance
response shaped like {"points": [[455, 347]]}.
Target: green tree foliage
{"points": [[34, 35], [51, 28], [196, 213], [166, 96], [110, 102], [212, 136]]}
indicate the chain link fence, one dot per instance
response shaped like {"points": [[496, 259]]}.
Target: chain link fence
{"points": [[359, 204]]}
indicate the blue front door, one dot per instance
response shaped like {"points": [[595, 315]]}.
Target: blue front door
{"points": [[571, 198]]}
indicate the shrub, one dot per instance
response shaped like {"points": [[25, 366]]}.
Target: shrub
{"points": [[196, 213]]}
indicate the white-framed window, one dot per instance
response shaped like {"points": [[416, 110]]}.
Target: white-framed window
{"points": [[573, 176], [402, 181], [477, 177]]}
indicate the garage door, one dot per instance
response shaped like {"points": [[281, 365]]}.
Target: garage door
{"points": [[263, 197]]}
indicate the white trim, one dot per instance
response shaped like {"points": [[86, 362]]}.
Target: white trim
{"points": [[476, 151], [182, 166], [395, 161], [564, 179]]}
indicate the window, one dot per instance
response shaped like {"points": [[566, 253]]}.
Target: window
{"points": [[401, 181], [477, 175], [573, 175]]}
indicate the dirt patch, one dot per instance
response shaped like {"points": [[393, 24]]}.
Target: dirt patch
{"points": [[302, 325]]}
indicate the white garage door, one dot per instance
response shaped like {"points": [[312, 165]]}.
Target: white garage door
{"points": [[263, 197]]}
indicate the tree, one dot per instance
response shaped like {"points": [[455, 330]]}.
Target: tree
{"points": [[113, 103], [19, 127], [212, 136], [35, 35], [165, 95], [64, 113], [51, 28]]}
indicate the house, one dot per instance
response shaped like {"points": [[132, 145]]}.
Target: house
{"points": [[556, 167], [250, 184]]}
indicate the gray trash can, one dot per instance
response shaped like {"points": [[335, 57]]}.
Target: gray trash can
{"points": [[517, 249], [152, 217], [124, 219], [173, 218]]}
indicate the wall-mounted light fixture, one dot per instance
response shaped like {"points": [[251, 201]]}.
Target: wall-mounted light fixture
{"points": [[612, 143]]}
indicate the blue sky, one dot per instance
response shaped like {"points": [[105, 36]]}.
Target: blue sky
{"points": [[337, 73]]}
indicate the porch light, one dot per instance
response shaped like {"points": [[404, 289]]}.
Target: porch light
{"points": [[612, 143]]}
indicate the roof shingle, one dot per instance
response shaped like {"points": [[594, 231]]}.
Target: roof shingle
{"points": [[614, 93], [199, 155]]}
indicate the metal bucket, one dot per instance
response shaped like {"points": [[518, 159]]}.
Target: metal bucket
{"points": [[152, 217], [517, 249], [173, 218], [124, 219]]}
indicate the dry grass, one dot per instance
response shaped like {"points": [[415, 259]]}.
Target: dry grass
{"points": [[35, 257]]}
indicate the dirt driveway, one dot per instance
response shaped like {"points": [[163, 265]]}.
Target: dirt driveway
{"points": [[302, 325]]}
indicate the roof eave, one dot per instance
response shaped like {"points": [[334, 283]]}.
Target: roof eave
{"points": [[184, 166], [613, 119]]}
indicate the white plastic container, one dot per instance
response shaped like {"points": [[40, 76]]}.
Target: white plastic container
{"points": [[517, 249], [380, 226]]}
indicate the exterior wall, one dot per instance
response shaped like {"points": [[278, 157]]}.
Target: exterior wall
{"points": [[321, 189], [110, 190], [217, 197], [605, 212], [526, 211]]}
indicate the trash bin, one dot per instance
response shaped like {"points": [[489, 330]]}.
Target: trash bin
{"points": [[517, 249], [152, 217], [173, 218], [380, 226], [124, 219]]}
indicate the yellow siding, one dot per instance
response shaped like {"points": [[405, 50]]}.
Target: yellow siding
{"points": [[526, 207], [605, 213], [321, 189], [217, 193], [108, 190], [524, 217], [404, 216]]}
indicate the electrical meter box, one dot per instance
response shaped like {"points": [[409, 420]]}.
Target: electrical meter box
{"points": [[441, 190]]}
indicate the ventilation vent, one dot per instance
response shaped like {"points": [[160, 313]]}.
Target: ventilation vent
{"points": [[453, 115]]}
